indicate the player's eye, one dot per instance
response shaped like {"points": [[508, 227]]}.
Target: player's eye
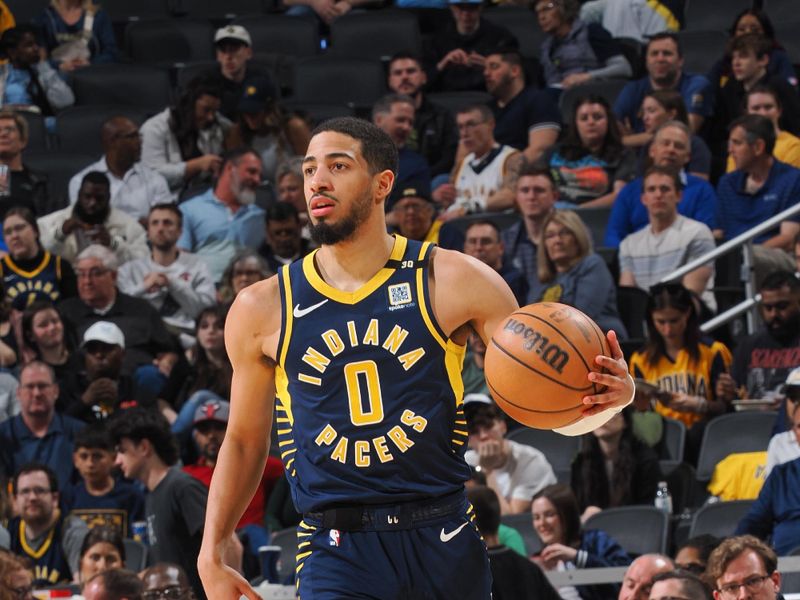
{"points": [[308, 171]]}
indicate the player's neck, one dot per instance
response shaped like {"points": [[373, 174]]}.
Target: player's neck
{"points": [[348, 265]]}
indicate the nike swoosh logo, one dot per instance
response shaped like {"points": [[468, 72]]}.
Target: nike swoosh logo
{"points": [[302, 312], [446, 537]]}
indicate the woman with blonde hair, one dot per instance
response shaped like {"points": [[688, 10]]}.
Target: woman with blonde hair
{"points": [[76, 33], [574, 274]]}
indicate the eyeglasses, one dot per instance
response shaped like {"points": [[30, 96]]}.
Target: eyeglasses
{"points": [[91, 273], [469, 125], [34, 491], [174, 592], [563, 234], [753, 584], [8, 130]]}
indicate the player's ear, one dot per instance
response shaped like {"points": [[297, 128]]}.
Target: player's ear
{"points": [[384, 181]]}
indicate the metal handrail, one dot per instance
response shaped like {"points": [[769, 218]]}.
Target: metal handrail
{"points": [[742, 240]]}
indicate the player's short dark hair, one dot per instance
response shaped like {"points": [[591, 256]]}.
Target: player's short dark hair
{"points": [[691, 585], [120, 584], [94, 436], [777, 280], [751, 43], [96, 178], [563, 499], [669, 171], [664, 35], [103, 533], [139, 424], [756, 127], [35, 467], [488, 222], [377, 147], [281, 211], [169, 206], [487, 508]]}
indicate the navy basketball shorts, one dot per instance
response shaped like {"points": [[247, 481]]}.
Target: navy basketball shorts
{"points": [[394, 555]]}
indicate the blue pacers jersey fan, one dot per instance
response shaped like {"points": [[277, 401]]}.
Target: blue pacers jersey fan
{"points": [[369, 387]]}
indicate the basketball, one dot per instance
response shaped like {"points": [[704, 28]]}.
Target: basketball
{"points": [[537, 364]]}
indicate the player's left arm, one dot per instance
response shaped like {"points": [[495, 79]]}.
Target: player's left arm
{"points": [[469, 293]]}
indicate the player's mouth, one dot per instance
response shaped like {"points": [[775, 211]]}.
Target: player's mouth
{"points": [[321, 206]]}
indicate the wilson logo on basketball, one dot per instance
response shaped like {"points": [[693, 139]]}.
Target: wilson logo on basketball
{"points": [[551, 354]]}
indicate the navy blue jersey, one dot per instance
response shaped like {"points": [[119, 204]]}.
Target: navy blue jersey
{"points": [[25, 287], [369, 387], [49, 563]]}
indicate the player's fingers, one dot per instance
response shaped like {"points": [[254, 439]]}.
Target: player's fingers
{"points": [[613, 345], [601, 399], [607, 379], [615, 366], [592, 410]]}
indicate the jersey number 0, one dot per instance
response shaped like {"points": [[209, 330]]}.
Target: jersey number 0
{"points": [[373, 412]]}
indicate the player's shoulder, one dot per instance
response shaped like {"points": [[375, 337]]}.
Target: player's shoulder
{"points": [[258, 306], [456, 271]]}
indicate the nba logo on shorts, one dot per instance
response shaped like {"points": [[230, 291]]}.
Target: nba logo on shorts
{"points": [[334, 537]]}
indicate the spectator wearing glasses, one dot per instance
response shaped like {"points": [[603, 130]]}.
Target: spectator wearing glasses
{"points": [[40, 532], [25, 187], [38, 433], [693, 555], [16, 578], [785, 446], [135, 187], [482, 241], [675, 585], [166, 581], [744, 563]]}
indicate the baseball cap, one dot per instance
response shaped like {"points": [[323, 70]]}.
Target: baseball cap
{"points": [[476, 397], [212, 410], [256, 93], [233, 32], [794, 377], [106, 332]]}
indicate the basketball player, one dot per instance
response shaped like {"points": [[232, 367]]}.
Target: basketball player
{"points": [[362, 342]]}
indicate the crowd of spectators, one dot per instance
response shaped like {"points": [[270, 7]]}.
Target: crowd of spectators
{"points": [[114, 375]]}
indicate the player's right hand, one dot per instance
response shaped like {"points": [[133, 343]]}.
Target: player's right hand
{"points": [[223, 582]]}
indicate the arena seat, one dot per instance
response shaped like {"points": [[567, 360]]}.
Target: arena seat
{"points": [[595, 219], [523, 523], [287, 540], [455, 101], [217, 10], [790, 582], [121, 11], [701, 49], [632, 308], [558, 449], [719, 519], [37, 132], [169, 41], [124, 85], [355, 82], [294, 36], [377, 35], [674, 439], [135, 555], [638, 529], [523, 25], [713, 15], [607, 88], [78, 127], [59, 168], [318, 112], [746, 431], [786, 34], [25, 10]]}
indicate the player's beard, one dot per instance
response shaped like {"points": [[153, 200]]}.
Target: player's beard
{"points": [[328, 234]]}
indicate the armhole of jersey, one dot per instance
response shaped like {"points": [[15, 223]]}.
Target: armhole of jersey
{"points": [[285, 287], [424, 296]]}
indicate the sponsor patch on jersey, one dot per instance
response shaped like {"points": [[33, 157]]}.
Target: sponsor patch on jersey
{"points": [[400, 294]]}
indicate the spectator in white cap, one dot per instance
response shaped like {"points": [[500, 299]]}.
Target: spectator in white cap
{"points": [[101, 388], [234, 50], [516, 472], [210, 423], [785, 446]]}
